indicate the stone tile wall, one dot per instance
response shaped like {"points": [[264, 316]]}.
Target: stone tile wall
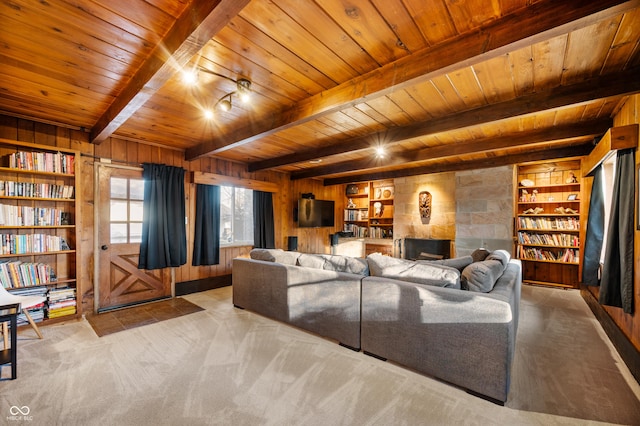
{"points": [[473, 208]]}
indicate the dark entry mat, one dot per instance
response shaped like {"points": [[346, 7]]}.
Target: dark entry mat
{"points": [[125, 319]]}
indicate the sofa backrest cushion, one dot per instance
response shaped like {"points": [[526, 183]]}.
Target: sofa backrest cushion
{"points": [[275, 255], [482, 276], [429, 273], [502, 255], [337, 263], [457, 262]]}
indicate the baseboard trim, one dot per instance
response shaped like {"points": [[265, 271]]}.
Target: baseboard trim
{"points": [[629, 354], [195, 286]]}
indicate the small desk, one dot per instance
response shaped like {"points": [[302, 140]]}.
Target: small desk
{"points": [[9, 313]]}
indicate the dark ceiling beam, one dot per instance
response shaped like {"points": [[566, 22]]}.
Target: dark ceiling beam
{"points": [[533, 155], [202, 20], [587, 129], [601, 87], [540, 21]]}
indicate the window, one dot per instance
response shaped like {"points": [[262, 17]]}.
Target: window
{"points": [[125, 214], [608, 175], [236, 216]]}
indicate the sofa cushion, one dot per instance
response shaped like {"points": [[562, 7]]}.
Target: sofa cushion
{"points": [[480, 254], [429, 273], [502, 255], [337, 263], [457, 262], [482, 276], [275, 255]]}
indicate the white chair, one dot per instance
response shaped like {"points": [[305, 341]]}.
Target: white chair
{"points": [[25, 302]]}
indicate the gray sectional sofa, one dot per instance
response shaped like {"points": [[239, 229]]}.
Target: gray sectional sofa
{"points": [[454, 319]]}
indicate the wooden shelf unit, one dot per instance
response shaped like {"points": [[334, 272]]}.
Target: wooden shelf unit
{"points": [[369, 211], [63, 207], [548, 223]]}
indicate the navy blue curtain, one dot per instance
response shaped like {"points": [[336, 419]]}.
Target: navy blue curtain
{"points": [[263, 227], [616, 288], [595, 232], [206, 238], [164, 238]]}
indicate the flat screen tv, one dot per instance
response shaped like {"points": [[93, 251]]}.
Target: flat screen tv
{"points": [[315, 213]]}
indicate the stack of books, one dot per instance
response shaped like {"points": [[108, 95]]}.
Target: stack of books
{"points": [[62, 302], [37, 311]]}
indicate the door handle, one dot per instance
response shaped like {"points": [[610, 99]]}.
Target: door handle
{"points": [[104, 247]]}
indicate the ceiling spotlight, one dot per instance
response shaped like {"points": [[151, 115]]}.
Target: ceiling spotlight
{"points": [[190, 77], [208, 114], [243, 87], [380, 152], [224, 103]]}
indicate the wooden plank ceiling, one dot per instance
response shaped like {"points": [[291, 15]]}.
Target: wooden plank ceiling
{"points": [[440, 85]]}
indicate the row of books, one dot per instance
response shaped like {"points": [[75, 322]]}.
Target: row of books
{"points": [[356, 214], [566, 255], [358, 231], [58, 302], [43, 161], [18, 274], [35, 190], [550, 223], [11, 215], [31, 243], [571, 240], [375, 232]]}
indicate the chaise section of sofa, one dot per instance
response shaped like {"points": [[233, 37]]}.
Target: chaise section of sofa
{"points": [[323, 301], [463, 337]]}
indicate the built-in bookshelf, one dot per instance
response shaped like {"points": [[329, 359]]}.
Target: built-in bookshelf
{"points": [[369, 211], [38, 231], [548, 222]]}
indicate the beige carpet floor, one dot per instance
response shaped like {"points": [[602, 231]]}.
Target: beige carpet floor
{"points": [[225, 366]]}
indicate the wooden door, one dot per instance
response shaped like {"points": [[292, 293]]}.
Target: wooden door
{"points": [[120, 282]]}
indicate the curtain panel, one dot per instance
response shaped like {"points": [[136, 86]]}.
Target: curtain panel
{"points": [[616, 287], [263, 223], [164, 238], [595, 232], [206, 238]]}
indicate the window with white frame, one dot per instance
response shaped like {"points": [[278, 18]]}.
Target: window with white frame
{"points": [[236, 216]]}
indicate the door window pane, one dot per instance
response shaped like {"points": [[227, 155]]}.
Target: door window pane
{"points": [[125, 212]]}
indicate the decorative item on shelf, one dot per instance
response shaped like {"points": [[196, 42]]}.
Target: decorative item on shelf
{"points": [[378, 209], [572, 197], [424, 204], [572, 178], [534, 195], [351, 204], [387, 192], [525, 196], [378, 194], [527, 182], [352, 189], [565, 210], [537, 210]]}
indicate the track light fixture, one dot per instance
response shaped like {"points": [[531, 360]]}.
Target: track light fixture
{"points": [[243, 87]]}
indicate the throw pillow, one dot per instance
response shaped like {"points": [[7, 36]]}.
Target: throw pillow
{"points": [[482, 276], [428, 273], [480, 254], [311, 261], [352, 265], [262, 254], [275, 255], [457, 262]]}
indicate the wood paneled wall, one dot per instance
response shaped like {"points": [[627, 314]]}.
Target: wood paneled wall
{"points": [[132, 154]]}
